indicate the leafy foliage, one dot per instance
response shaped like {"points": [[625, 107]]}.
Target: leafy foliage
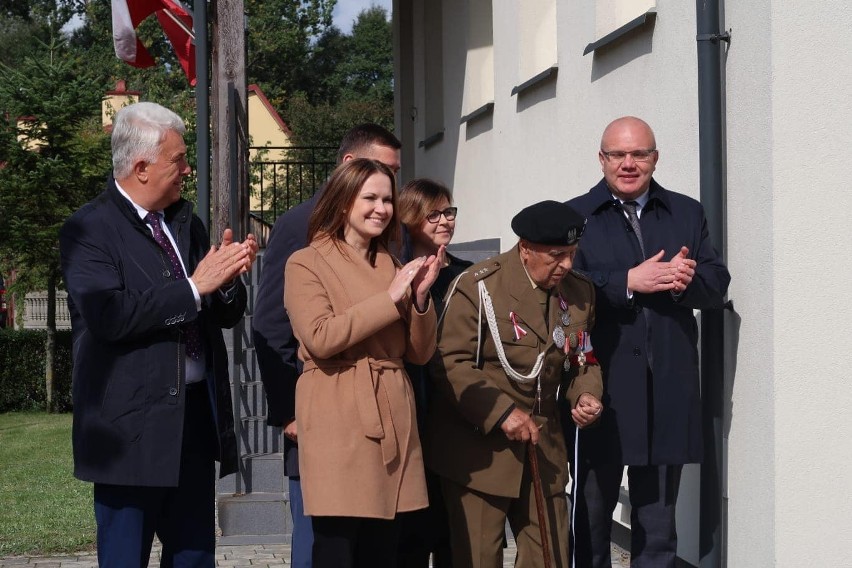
{"points": [[55, 154], [349, 80], [22, 370], [367, 73], [279, 39]]}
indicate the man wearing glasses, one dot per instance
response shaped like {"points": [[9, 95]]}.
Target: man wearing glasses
{"points": [[648, 253]]}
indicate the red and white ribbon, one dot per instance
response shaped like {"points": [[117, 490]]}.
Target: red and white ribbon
{"points": [[519, 331]]}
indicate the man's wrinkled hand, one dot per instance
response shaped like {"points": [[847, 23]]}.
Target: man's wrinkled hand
{"points": [[587, 410], [519, 426], [221, 264]]}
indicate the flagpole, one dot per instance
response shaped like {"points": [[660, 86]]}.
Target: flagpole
{"points": [[202, 102]]}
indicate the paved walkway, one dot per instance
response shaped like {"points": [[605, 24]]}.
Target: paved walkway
{"points": [[262, 555]]}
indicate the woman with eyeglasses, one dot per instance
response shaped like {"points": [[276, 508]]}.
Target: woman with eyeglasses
{"points": [[429, 218], [357, 315]]}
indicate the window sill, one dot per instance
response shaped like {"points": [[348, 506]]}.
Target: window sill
{"points": [[431, 140], [540, 78], [622, 31], [487, 108]]}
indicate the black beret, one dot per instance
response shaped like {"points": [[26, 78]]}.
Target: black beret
{"points": [[549, 223]]}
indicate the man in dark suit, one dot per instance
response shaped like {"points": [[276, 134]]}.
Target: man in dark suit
{"points": [[274, 342], [649, 254], [148, 298]]}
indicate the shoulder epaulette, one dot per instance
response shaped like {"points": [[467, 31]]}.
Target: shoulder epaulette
{"points": [[486, 270]]}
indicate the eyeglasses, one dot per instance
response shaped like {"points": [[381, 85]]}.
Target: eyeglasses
{"points": [[637, 155], [449, 214]]}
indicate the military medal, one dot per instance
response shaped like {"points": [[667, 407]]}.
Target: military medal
{"points": [[564, 316], [559, 337], [567, 363], [584, 345], [573, 342]]}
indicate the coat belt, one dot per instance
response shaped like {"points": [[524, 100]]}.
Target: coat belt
{"points": [[371, 398]]}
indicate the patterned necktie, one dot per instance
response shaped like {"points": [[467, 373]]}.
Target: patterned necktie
{"points": [[191, 330], [630, 209]]}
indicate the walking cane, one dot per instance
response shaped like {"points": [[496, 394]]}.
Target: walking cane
{"points": [[539, 504]]}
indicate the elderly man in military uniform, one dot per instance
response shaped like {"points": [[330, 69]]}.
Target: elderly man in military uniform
{"points": [[513, 340]]}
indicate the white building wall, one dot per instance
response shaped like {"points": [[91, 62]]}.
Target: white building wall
{"points": [[788, 80], [754, 430], [795, 110]]}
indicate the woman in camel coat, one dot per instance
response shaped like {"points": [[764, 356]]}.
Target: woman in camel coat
{"points": [[357, 316]]}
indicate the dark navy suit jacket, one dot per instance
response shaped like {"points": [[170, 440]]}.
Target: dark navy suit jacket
{"points": [[129, 352], [274, 342], [649, 418]]}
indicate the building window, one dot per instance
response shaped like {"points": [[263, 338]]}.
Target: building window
{"points": [[536, 38], [479, 65], [433, 71], [617, 18]]}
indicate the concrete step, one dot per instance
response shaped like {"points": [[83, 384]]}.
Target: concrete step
{"points": [[261, 515], [250, 370], [264, 473], [258, 438], [252, 398]]}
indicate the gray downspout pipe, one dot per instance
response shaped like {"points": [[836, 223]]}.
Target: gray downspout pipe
{"points": [[711, 127], [202, 104]]}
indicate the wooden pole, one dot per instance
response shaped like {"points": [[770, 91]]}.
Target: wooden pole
{"points": [[229, 171]]}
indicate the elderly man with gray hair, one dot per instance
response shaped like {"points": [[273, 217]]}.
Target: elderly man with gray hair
{"points": [[149, 297]]}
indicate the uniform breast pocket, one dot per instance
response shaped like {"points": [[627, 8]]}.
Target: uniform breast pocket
{"points": [[518, 342]]}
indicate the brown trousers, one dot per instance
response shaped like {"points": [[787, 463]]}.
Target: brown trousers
{"points": [[478, 523]]}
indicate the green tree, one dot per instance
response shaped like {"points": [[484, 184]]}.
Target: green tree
{"points": [[56, 154], [367, 72], [352, 83], [279, 41], [320, 83]]}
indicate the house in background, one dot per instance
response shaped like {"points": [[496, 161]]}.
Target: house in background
{"points": [[114, 100], [269, 138], [505, 101]]}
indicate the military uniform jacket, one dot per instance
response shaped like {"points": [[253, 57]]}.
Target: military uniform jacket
{"points": [[465, 442], [359, 446]]}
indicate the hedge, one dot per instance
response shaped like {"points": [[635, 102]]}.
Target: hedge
{"points": [[22, 370]]}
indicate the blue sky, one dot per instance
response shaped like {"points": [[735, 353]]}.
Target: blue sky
{"points": [[346, 10]]}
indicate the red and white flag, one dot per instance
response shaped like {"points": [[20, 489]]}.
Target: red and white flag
{"points": [[176, 23]]}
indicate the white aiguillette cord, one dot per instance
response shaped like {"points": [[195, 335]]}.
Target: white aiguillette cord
{"points": [[485, 300]]}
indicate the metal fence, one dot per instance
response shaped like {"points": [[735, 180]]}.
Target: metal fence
{"points": [[283, 177]]}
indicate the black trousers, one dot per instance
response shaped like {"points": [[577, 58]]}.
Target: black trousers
{"points": [[426, 532], [653, 499], [354, 542]]}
